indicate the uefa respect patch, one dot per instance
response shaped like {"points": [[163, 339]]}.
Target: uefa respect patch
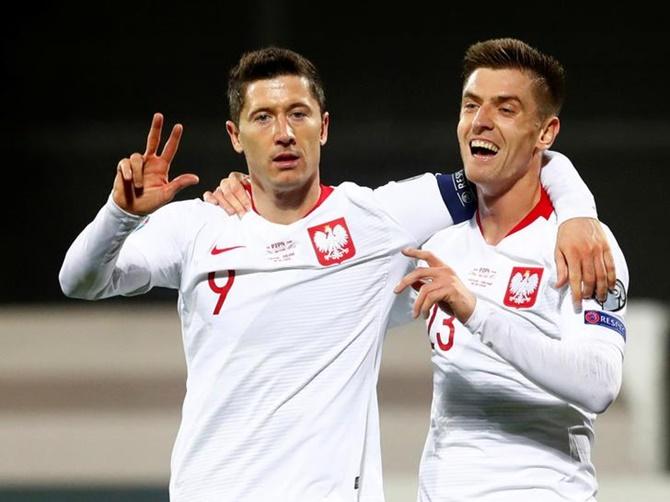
{"points": [[606, 320]]}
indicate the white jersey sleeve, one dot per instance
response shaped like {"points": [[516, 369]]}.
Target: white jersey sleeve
{"points": [[569, 194], [427, 203], [603, 322], [401, 311], [584, 366], [119, 253]]}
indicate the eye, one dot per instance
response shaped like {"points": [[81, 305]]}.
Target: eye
{"points": [[507, 110], [262, 118], [298, 114], [469, 106]]}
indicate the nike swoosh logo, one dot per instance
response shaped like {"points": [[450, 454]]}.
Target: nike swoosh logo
{"points": [[216, 250]]}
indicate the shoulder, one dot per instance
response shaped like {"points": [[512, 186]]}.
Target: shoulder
{"points": [[418, 183], [349, 192], [191, 208], [422, 185], [185, 215], [351, 188]]}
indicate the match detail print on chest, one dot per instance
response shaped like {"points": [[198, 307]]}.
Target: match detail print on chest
{"points": [[521, 284]]}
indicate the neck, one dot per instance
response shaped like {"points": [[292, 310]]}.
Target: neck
{"points": [[285, 206], [499, 212]]}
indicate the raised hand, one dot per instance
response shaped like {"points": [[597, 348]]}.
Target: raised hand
{"points": [[437, 284], [141, 185], [230, 194]]}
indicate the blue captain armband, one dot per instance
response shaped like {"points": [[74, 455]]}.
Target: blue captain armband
{"points": [[458, 195]]}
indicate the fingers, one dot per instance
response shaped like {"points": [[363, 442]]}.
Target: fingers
{"points": [[601, 278], [172, 144], [561, 270], [575, 280], [604, 262], [241, 177], [604, 270], [124, 194], [131, 172], [419, 275], [124, 168], [154, 137], [179, 183], [421, 254], [588, 277], [609, 267], [209, 198], [229, 204], [429, 295], [233, 190], [137, 168], [232, 196], [437, 285]]}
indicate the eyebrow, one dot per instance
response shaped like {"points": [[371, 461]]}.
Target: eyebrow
{"points": [[268, 109], [497, 99]]}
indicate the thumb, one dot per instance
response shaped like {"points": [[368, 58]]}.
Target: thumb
{"points": [[179, 183]]}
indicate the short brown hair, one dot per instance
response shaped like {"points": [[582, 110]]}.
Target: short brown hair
{"points": [[510, 53], [267, 63]]}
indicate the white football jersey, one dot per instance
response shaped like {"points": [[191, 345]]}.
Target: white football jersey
{"points": [[282, 331], [495, 436]]}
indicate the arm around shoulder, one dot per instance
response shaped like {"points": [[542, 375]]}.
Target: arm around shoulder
{"points": [[569, 194], [425, 204]]}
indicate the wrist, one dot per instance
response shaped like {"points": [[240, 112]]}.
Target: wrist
{"points": [[119, 212]]}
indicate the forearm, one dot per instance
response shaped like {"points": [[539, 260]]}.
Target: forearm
{"points": [[425, 204], [97, 265], [586, 373], [566, 189]]}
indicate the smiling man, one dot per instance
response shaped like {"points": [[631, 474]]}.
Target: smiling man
{"points": [[519, 375], [284, 310]]}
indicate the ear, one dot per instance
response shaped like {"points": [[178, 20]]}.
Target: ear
{"points": [[234, 134], [325, 120], [548, 133]]}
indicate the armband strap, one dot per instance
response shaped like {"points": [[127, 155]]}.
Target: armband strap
{"points": [[458, 195]]}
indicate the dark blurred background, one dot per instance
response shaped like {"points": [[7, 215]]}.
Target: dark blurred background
{"points": [[80, 83], [91, 395]]}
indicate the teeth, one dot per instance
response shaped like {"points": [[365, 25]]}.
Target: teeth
{"points": [[480, 143]]}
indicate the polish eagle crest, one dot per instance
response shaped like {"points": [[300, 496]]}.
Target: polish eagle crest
{"points": [[523, 287], [332, 242]]}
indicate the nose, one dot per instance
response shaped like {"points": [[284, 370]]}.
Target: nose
{"points": [[284, 134], [482, 120]]}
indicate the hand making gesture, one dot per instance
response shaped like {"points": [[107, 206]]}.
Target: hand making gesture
{"points": [[437, 284], [141, 185]]}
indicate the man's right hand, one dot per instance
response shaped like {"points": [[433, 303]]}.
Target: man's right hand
{"points": [[231, 195], [141, 185]]}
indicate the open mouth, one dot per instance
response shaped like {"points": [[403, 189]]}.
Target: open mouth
{"points": [[286, 160], [482, 148]]}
